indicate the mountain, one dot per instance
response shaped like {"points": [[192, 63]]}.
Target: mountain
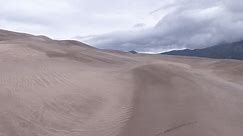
{"points": [[133, 52], [223, 51], [67, 88]]}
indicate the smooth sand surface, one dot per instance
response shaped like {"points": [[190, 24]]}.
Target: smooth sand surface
{"points": [[66, 88]]}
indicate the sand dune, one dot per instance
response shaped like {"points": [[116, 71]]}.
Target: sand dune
{"points": [[67, 88]]}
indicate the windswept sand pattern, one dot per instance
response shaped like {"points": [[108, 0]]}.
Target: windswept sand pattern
{"points": [[66, 88], [54, 101]]}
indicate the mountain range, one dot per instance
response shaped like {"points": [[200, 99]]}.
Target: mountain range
{"points": [[223, 51]]}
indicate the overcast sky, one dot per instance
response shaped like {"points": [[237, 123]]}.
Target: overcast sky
{"points": [[142, 25]]}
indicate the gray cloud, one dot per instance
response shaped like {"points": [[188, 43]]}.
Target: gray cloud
{"points": [[142, 25], [139, 25], [189, 24]]}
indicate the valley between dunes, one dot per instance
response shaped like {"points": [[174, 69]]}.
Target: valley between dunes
{"points": [[66, 88]]}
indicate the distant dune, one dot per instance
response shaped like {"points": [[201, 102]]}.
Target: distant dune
{"points": [[67, 88]]}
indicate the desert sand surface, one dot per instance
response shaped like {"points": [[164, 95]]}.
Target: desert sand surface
{"points": [[67, 88]]}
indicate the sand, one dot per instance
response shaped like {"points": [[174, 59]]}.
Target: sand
{"points": [[67, 88]]}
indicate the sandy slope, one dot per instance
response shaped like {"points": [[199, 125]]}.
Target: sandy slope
{"points": [[66, 88]]}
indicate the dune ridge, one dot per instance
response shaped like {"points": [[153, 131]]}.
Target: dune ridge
{"points": [[67, 88]]}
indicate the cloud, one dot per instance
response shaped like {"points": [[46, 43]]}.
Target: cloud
{"points": [[142, 25], [71, 18], [188, 24], [139, 25]]}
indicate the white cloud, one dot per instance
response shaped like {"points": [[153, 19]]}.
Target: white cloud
{"points": [[70, 18]]}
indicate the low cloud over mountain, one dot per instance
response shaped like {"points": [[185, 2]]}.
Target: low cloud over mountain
{"points": [[187, 24]]}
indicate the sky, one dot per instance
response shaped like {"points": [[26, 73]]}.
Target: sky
{"points": [[141, 25]]}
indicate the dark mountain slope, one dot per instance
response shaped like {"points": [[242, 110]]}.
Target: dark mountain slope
{"points": [[133, 52], [223, 51]]}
